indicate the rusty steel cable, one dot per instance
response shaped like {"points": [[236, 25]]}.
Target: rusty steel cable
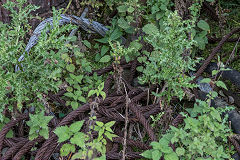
{"points": [[214, 52]]}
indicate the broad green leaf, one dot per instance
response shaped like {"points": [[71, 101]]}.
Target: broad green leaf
{"points": [[102, 40], [79, 139], [74, 105], [86, 43], [91, 92], [105, 59], [115, 34], [203, 25], [215, 114], [82, 99], [103, 94], [69, 94], [122, 8], [109, 135], [221, 84], [150, 29], [214, 72], [171, 156], [205, 80], [76, 126], [135, 45], [63, 133], [147, 154], [123, 23], [104, 50], [156, 155], [72, 38], [180, 151], [66, 149], [110, 124], [44, 133], [130, 9], [100, 124], [70, 67]]}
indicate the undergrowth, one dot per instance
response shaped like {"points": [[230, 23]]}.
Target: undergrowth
{"points": [[53, 64]]}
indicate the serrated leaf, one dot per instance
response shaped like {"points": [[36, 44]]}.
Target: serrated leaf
{"points": [[150, 29], [70, 68], [44, 133], [79, 139], [147, 154], [215, 114], [105, 59], [115, 34], [171, 156], [122, 8], [203, 25], [63, 133], [135, 45], [66, 149], [156, 155], [123, 23], [76, 126], [221, 84], [180, 151], [104, 50]]}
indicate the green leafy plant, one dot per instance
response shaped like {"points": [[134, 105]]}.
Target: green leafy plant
{"points": [[205, 137], [38, 124], [73, 134], [161, 148], [40, 71], [104, 130], [167, 61], [81, 140]]}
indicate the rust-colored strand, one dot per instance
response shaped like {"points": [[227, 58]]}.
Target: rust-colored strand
{"points": [[155, 110], [235, 144], [12, 151], [143, 121], [115, 147], [53, 138], [129, 155], [7, 128], [178, 120], [8, 142], [107, 84], [214, 39], [27, 147], [133, 70], [214, 51]]}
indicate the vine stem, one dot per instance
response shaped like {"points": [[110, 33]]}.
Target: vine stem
{"points": [[69, 3], [126, 122]]}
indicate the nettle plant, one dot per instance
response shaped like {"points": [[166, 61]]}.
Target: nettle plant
{"points": [[171, 56], [82, 144]]}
